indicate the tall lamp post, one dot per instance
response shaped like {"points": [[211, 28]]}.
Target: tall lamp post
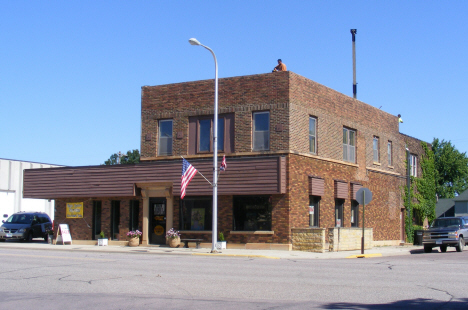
{"points": [[214, 238]]}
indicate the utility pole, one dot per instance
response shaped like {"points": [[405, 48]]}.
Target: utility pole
{"points": [[353, 32]]}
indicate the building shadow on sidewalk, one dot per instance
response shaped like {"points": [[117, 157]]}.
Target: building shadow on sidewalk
{"points": [[426, 304]]}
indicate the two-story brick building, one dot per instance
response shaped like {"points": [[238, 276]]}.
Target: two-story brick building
{"points": [[296, 151]]}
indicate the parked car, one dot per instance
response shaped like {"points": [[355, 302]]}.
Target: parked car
{"points": [[25, 226], [445, 232]]}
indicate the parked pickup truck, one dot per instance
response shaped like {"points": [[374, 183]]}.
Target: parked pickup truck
{"points": [[445, 232]]}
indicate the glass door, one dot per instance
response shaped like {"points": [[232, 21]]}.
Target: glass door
{"points": [[157, 220]]}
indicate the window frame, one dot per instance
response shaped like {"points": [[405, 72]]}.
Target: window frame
{"points": [[350, 149], [390, 153], [313, 146], [339, 206], [413, 165], [314, 219], [354, 208], [206, 201], [160, 138], [267, 148], [242, 213], [134, 215], [376, 149], [221, 120]]}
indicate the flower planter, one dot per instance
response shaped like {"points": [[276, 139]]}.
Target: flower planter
{"points": [[173, 242], [134, 242], [220, 245], [102, 242]]}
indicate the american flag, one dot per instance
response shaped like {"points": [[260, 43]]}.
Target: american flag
{"points": [[223, 164], [188, 172]]}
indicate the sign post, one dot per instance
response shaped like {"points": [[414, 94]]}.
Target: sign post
{"points": [[363, 196]]}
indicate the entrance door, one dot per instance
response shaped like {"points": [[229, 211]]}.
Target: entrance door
{"points": [[157, 220]]}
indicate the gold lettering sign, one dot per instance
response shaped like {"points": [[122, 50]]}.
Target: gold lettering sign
{"points": [[74, 210]]}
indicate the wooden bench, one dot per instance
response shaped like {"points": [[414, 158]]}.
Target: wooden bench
{"points": [[186, 241]]}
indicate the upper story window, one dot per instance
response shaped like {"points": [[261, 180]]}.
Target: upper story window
{"points": [[165, 137], [375, 148], [389, 152], [313, 135], [205, 135], [349, 145], [261, 131], [413, 165], [200, 134]]}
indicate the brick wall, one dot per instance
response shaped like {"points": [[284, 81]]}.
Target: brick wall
{"points": [[291, 100], [241, 95], [382, 214], [79, 227], [334, 111]]}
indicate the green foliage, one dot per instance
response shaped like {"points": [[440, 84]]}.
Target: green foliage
{"points": [[132, 157], [221, 237], [426, 188], [451, 169], [421, 201], [409, 229], [102, 235]]}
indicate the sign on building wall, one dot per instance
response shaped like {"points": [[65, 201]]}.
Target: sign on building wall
{"points": [[75, 210]]}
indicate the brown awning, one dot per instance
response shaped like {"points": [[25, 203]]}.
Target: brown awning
{"points": [[316, 186], [354, 188], [341, 189], [244, 176]]}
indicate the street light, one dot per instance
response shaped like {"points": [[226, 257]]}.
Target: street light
{"points": [[214, 238]]}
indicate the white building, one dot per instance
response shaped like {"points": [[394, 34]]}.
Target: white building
{"points": [[11, 189]]}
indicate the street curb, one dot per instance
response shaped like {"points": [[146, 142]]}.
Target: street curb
{"points": [[236, 255], [365, 255]]}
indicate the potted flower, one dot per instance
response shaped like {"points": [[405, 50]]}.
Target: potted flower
{"points": [[173, 238], [134, 237], [50, 235], [102, 241], [221, 244]]}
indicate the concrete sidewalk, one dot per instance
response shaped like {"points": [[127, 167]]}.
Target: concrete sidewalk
{"points": [[165, 250]]}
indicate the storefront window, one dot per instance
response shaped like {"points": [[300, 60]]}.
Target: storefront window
{"points": [[339, 212], [252, 213], [134, 215], [196, 213], [314, 209]]}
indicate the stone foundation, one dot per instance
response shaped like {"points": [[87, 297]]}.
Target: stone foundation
{"points": [[347, 238], [308, 239]]}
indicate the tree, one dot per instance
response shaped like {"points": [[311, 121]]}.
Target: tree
{"points": [[132, 157], [451, 169]]}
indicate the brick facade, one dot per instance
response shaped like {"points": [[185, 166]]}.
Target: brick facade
{"points": [[290, 99], [79, 228]]}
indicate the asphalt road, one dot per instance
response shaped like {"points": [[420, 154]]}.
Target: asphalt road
{"points": [[33, 279]]}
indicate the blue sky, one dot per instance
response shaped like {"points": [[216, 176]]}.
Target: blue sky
{"points": [[71, 71]]}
